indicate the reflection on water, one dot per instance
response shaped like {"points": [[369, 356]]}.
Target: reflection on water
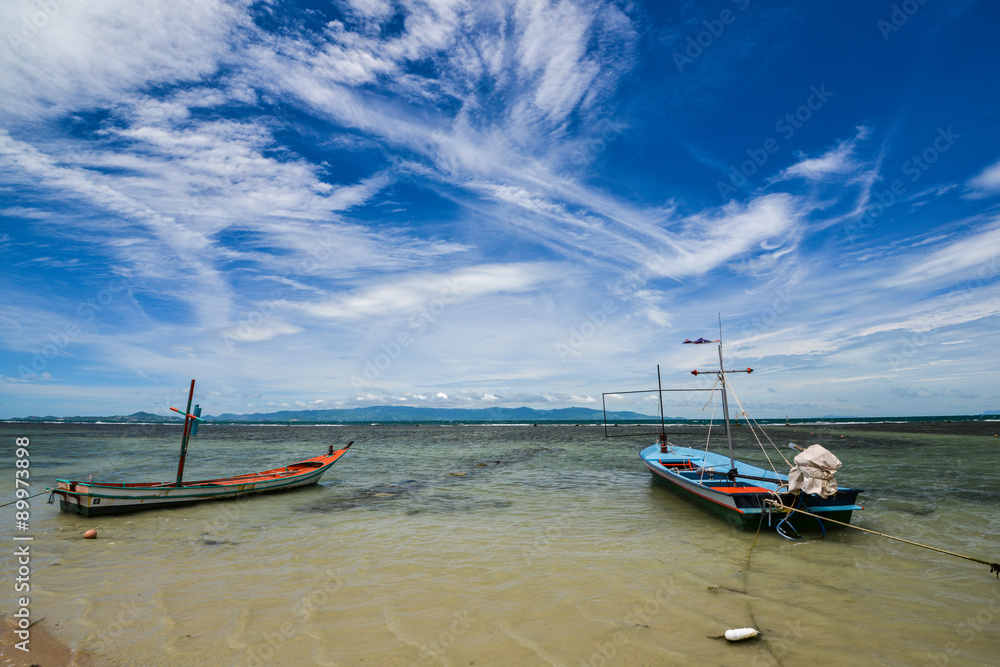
{"points": [[517, 544]]}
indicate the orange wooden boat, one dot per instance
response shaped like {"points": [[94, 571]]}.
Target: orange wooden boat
{"points": [[100, 498]]}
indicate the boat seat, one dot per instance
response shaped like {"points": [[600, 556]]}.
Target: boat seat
{"points": [[739, 489]]}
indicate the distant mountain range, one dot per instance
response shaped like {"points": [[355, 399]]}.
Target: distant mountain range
{"points": [[409, 413], [380, 413]]}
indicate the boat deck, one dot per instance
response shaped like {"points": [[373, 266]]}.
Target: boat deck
{"points": [[246, 478]]}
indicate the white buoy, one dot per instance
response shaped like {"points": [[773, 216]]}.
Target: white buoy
{"points": [[740, 634]]}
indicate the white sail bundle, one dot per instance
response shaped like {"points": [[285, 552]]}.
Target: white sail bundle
{"points": [[813, 472]]}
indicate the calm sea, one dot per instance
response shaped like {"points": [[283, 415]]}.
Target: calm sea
{"points": [[507, 544]]}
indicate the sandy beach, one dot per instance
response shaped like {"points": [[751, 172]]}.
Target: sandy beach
{"points": [[45, 649]]}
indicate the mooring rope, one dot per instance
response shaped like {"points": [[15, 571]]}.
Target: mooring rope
{"points": [[994, 567], [746, 586], [25, 498], [708, 440]]}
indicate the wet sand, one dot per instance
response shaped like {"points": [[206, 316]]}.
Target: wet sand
{"points": [[44, 649]]}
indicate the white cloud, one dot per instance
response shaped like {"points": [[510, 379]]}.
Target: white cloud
{"points": [[937, 314], [976, 250], [987, 182], [835, 162], [553, 48], [372, 8], [91, 53], [257, 332], [708, 240], [225, 171], [409, 294]]}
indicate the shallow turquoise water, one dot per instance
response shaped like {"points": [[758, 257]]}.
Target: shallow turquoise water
{"points": [[511, 544]]}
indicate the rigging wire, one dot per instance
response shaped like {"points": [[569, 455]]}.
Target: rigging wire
{"points": [[747, 417], [711, 421]]}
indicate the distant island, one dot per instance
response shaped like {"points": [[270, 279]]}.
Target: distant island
{"points": [[414, 414], [380, 413]]}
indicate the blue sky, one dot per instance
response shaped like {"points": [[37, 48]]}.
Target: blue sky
{"points": [[477, 204]]}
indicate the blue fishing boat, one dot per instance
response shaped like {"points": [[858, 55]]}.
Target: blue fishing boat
{"points": [[743, 494], [749, 496]]}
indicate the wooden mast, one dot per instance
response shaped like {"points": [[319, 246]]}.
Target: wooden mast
{"points": [[188, 420], [659, 382], [725, 407]]}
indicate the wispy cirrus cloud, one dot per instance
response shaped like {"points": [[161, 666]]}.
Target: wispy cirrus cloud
{"points": [[956, 257], [835, 163], [403, 296], [301, 178], [986, 182], [91, 53]]}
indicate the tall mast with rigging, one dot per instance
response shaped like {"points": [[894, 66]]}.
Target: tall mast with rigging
{"points": [[721, 374], [725, 406]]}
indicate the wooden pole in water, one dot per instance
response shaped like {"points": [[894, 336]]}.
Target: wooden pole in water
{"points": [[184, 438]]}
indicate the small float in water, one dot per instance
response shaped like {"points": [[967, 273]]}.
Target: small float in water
{"points": [[741, 634]]}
